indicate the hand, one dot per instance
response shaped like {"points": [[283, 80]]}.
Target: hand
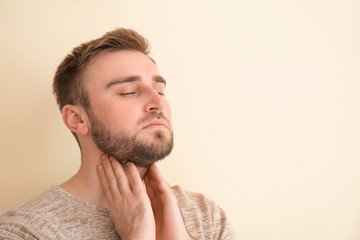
{"points": [[168, 218], [130, 206]]}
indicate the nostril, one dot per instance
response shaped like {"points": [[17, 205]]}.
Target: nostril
{"points": [[154, 109]]}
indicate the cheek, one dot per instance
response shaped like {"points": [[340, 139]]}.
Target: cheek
{"points": [[118, 116], [125, 117]]}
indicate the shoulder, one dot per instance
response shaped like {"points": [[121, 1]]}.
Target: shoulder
{"points": [[16, 224], [46, 202], [56, 214], [202, 216], [26, 221], [195, 203]]}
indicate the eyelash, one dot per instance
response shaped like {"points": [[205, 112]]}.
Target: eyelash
{"points": [[131, 93], [127, 94]]}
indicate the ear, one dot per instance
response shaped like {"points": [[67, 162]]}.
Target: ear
{"points": [[75, 119]]}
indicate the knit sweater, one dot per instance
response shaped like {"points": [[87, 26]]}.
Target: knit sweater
{"points": [[56, 214]]}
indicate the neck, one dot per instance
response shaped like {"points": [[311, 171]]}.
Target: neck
{"points": [[85, 184]]}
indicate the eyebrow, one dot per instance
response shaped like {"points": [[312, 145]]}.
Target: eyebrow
{"points": [[130, 79], [123, 80], [159, 79]]}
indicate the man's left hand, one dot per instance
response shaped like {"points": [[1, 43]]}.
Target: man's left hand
{"points": [[168, 219]]}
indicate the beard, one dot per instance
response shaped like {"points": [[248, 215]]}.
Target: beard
{"points": [[126, 147]]}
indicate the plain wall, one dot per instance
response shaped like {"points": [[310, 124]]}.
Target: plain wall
{"points": [[265, 99]]}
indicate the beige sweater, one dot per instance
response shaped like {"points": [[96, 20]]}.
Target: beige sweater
{"points": [[56, 214]]}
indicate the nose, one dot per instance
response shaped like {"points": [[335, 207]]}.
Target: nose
{"points": [[154, 101]]}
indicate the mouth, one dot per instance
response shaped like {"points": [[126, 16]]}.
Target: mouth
{"points": [[155, 124]]}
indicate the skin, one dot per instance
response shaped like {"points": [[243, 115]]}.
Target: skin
{"points": [[141, 202]]}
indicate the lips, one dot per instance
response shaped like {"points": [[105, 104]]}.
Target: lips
{"points": [[156, 123]]}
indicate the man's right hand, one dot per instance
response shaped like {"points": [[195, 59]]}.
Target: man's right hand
{"points": [[129, 203]]}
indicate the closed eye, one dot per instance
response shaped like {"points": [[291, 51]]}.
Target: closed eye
{"points": [[127, 94]]}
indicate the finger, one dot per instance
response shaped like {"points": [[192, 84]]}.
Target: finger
{"points": [[121, 177], [110, 176], [156, 179], [134, 177], [149, 189], [104, 183]]}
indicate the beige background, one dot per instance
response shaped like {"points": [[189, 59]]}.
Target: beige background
{"points": [[265, 98]]}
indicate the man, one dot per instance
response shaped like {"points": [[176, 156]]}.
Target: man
{"points": [[112, 98]]}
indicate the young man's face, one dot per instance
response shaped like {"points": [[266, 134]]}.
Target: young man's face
{"points": [[129, 114]]}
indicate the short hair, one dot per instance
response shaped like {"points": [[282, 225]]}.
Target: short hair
{"points": [[68, 85]]}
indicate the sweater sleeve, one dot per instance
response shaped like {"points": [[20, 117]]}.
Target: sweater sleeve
{"points": [[202, 217], [222, 225], [10, 230], [15, 225]]}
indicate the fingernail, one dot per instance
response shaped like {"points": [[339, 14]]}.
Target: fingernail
{"points": [[112, 159], [100, 168]]}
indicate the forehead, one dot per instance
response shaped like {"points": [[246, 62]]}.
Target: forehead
{"points": [[118, 64]]}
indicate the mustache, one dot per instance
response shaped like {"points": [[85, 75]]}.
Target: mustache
{"points": [[152, 116]]}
